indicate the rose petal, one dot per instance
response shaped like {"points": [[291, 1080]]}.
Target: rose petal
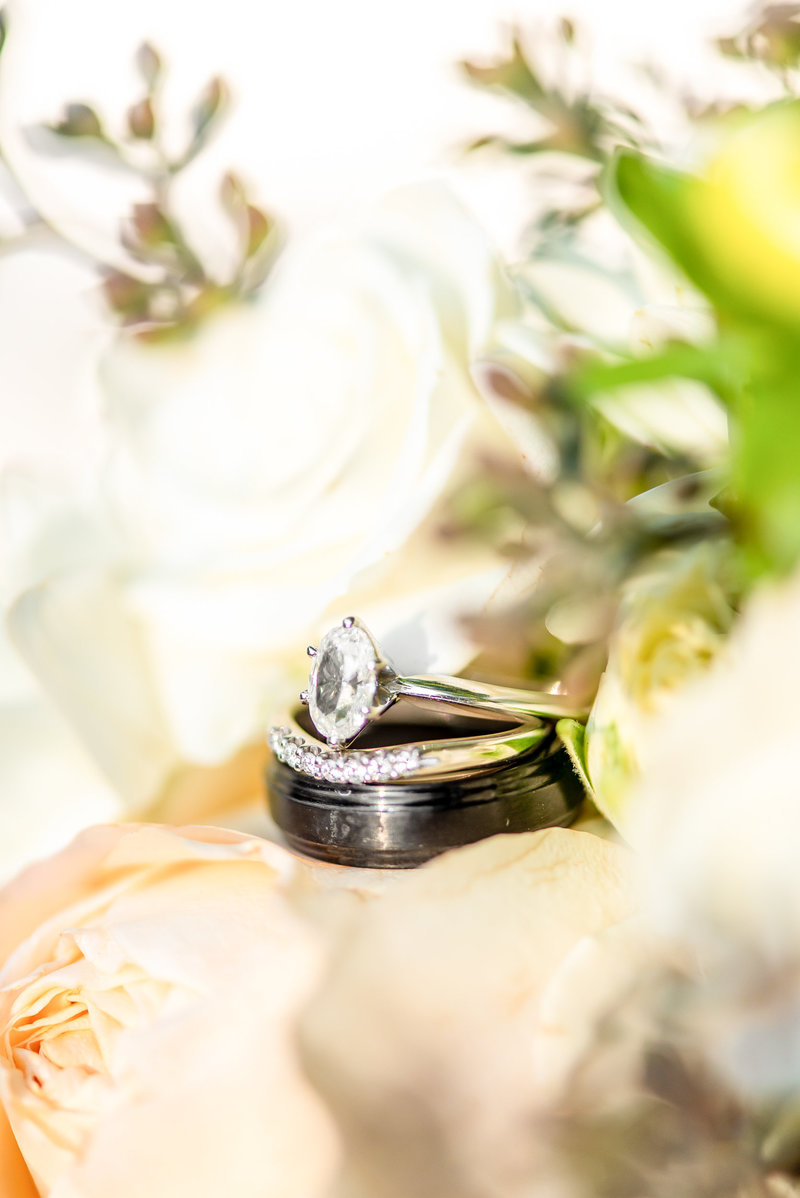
{"points": [[191, 1086], [106, 694], [16, 1178], [426, 1029]]}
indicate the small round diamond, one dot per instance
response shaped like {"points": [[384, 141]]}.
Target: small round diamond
{"points": [[374, 767], [343, 683]]}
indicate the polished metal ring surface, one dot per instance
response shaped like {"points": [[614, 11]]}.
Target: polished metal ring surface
{"points": [[397, 823], [454, 762], [352, 684]]}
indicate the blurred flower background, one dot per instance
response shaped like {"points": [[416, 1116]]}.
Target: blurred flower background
{"points": [[483, 325]]}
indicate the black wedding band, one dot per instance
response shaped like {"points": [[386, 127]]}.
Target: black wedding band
{"points": [[377, 825]]}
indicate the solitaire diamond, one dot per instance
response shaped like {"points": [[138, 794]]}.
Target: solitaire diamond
{"points": [[343, 683]]}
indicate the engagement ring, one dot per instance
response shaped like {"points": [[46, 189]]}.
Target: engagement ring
{"points": [[351, 684]]}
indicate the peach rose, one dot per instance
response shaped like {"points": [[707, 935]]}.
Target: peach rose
{"points": [[150, 982], [156, 980]]}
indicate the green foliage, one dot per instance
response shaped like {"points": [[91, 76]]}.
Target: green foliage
{"points": [[183, 293], [581, 125], [174, 291], [639, 187], [79, 120], [753, 365], [772, 37], [576, 123], [718, 365], [513, 75], [765, 471], [572, 735], [580, 523]]}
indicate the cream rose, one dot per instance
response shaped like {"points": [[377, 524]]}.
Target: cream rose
{"points": [[149, 987], [266, 476], [673, 622], [435, 1036], [156, 984]]}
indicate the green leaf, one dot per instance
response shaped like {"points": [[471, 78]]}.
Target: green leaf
{"points": [[208, 107], [719, 365], [572, 735], [253, 224], [766, 461], [658, 199], [654, 195]]}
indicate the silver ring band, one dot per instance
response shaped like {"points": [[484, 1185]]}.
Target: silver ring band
{"points": [[463, 696]]}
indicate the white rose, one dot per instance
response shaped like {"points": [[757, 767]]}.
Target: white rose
{"points": [[51, 334], [267, 475]]}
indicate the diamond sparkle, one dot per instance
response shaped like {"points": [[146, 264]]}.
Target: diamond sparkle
{"points": [[376, 765], [343, 683]]}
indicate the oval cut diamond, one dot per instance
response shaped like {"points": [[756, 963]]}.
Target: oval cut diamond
{"points": [[343, 681]]}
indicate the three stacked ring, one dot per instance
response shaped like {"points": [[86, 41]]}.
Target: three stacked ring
{"points": [[488, 763]]}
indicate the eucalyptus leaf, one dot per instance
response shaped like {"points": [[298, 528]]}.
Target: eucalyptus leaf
{"points": [[148, 60], [141, 120], [79, 120], [512, 74]]}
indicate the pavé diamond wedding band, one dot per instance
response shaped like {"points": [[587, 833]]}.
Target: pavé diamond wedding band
{"points": [[431, 755]]}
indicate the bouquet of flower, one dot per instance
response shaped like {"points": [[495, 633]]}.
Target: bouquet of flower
{"points": [[572, 468]]}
